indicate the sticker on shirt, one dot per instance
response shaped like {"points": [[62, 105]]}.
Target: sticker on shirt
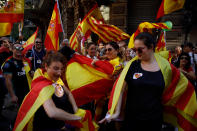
{"points": [[137, 75], [59, 92], [39, 61]]}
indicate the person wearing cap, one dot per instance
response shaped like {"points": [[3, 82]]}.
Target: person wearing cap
{"points": [[16, 71], [36, 54]]}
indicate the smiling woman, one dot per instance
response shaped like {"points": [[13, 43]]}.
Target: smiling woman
{"points": [[54, 103]]}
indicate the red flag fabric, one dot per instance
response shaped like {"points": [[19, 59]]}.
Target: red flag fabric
{"points": [[169, 6], [92, 83], [52, 37]]}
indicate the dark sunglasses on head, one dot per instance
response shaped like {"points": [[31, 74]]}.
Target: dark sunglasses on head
{"points": [[37, 42], [184, 57], [19, 48], [109, 49], [139, 50]]}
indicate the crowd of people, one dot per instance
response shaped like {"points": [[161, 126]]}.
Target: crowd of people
{"points": [[138, 75]]}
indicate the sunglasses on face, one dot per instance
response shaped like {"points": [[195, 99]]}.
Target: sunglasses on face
{"points": [[184, 57], [19, 48], [109, 49], [37, 42], [139, 50]]}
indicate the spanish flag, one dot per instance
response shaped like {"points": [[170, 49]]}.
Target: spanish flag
{"points": [[169, 6], [52, 37], [84, 27], [12, 12], [147, 27], [88, 83], [30, 42], [42, 90], [5, 29], [178, 99]]}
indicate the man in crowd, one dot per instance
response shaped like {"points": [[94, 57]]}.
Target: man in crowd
{"points": [[36, 54], [5, 52], [16, 73]]}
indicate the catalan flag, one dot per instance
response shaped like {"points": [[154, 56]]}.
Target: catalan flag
{"points": [[169, 6], [178, 99], [106, 32], [52, 37], [84, 27], [88, 83], [42, 90], [147, 27], [5, 29], [161, 45], [30, 42]]}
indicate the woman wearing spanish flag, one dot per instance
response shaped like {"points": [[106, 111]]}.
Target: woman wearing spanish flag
{"points": [[157, 91], [49, 103]]}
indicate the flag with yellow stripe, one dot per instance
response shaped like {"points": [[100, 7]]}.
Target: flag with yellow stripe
{"points": [[147, 27], [86, 82], [169, 6], [52, 37]]}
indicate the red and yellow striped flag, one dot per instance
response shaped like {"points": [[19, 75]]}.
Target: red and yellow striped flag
{"points": [[147, 27], [30, 42], [52, 37], [161, 45], [169, 6], [42, 90], [106, 32], [84, 27], [93, 82], [12, 12], [178, 99], [5, 29]]}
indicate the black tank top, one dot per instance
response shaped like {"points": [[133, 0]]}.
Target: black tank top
{"points": [[43, 122]]}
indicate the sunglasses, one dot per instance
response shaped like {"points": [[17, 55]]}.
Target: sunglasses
{"points": [[19, 48], [184, 57], [139, 50], [37, 42], [109, 49]]}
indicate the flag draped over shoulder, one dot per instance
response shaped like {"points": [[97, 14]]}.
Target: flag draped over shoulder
{"points": [[5, 29], [30, 42], [52, 37], [178, 99], [42, 90], [169, 6], [147, 27], [84, 27], [86, 82]]}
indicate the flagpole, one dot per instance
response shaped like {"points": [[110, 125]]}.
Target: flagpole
{"points": [[60, 18]]}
